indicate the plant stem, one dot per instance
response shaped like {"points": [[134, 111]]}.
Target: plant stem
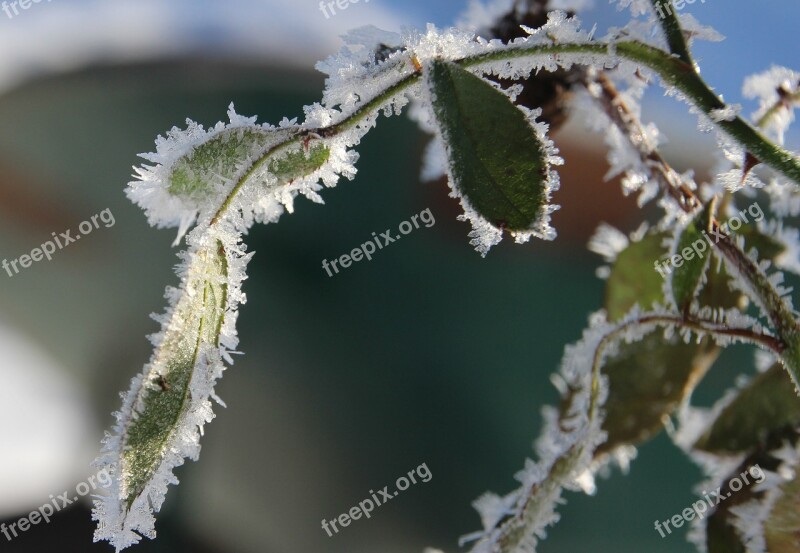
{"points": [[512, 532], [675, 73], [672, 29], [672, 70]]}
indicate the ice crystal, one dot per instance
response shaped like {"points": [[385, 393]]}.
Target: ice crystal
{"points": [[776, 91]]}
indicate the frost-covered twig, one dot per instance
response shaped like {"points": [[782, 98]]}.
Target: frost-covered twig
{"points": [[516, 522], [758, 284]]}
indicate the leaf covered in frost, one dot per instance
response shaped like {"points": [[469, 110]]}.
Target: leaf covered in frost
{"points": [[647, 379], [216, 160], [167, 406], [632, 278], [231, 176], [687, 275], [505, 180], [647, 382], [760, 416]]}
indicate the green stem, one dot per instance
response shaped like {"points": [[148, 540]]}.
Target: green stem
{"points": [[674, 72], [676, 40], [780, 315]]}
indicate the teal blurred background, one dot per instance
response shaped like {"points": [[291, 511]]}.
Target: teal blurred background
{"points": [[426, 354]]}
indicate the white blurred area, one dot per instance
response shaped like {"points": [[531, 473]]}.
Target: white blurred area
{"points": [[61, 35], [47, 429]]}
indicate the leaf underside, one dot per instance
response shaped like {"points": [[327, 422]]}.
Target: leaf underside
{"points": [[164, 396], [219, 157]]}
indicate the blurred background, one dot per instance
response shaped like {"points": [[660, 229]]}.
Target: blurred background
{"points": [[427, 354]]}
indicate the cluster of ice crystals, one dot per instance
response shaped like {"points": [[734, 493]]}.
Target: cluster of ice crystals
{"points": [[728, 113], [784, 197], [695, 30], [773, 89], [627, 153], [637, 7], [608, 242]]}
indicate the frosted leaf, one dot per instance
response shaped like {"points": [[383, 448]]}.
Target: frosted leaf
{"points": [[178, 189], [683, 284], [500, 184], [163, 414]]}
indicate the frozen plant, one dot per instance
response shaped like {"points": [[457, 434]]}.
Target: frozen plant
{"points": [[489, 98]]}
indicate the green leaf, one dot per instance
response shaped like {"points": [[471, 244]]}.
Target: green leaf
{"points": [[647, 382], [497, 160], [647, 379], [763, 413], [164, 396], [633, 279], [220, 156], [694, 251], [299, 163]]}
